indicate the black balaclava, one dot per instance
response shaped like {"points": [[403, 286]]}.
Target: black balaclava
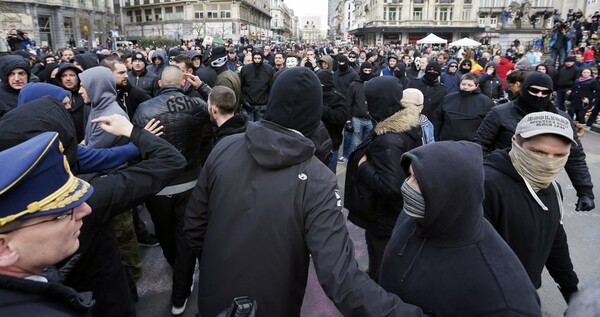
{"points": [[343, 59], [429, 77], [257, 66], [400, 70], [364, 76], [326, 78], [529, 103], [352, 58], [464, 71]]}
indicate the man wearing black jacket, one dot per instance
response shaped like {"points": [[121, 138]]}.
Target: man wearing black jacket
{"points": [[335, 113], [499, 124], [129, 97], [14, 75], [432, 90], [566, 78], [256, 79], [68, 79], [141, 77], [523, 201], [186, 122], [359, 112]]}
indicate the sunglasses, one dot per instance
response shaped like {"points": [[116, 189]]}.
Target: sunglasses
{"points": [[535, 91], [467, 65], [453, 66]]}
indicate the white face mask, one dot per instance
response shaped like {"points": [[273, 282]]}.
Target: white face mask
{"points": [[539, 171], [291, 62]]}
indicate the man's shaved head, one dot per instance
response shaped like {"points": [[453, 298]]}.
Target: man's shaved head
{"points": [[171, 75]]}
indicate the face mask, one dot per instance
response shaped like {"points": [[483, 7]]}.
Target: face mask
{"points": [[430, 78], [343, 67], [539, 171], [291, 62], [414, 203], [530, 103], [364, 76], [417, 64], [352, 58]]}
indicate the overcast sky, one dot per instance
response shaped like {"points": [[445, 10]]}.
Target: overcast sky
{"points": [[308, 8]]}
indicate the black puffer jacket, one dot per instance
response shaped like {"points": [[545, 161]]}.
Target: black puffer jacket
{"points": [[498, 127], [335, 115], [8, 95], [491, 85], [342, 80], [357, 100], [433, 96], [147, 81], [21, 297], [186, 126], [130, 97], [460, 115]]}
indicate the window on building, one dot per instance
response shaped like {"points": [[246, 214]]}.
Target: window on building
{"points": [[129, 16], [443, 14], [419, 1], [444, 1], [213, 15], [199, 15], [225, 14], [146, 1], [157, 14], [392, 1], [156, 1], [493, 20], [468, 1], [168, 13], [148, 14], [466, 15], [138, 15], [418, 14], [179, 13], [391, 13]]}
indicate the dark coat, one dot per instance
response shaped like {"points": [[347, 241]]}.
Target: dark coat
{"points": [[267, 254], [236, 124], [566, 77], [8, 95], [357, 100], [433, 95], [21, 297], [342, 80], [147, 81], [460, 114], [451, 80], [186, 126], [589, 88], [498, 127], [256, 81], [491, 85], [536, 236], [130, 97], [335, 115], [453, 263], [381, 176]]}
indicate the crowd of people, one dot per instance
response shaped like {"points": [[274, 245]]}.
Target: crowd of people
{"points": [[233, 151]]}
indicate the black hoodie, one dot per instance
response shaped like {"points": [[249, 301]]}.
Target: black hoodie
{"points": [[8, 95], [460, 114], [256, 80], [79, 110], [453, 263]]}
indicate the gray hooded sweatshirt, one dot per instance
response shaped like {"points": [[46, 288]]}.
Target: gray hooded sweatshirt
{"points": [[101, 89]]}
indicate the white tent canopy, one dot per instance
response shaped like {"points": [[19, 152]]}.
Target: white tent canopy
{"points": [[466, 42], [432, 39]]}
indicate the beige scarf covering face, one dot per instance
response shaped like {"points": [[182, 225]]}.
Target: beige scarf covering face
{"points": [[539, 171]]}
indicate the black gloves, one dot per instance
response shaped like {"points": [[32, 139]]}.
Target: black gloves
{"points": [[350, 129], [567, 292], [585, 203]]}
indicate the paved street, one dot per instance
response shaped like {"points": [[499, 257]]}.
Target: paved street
{"points": [[583, 230]]}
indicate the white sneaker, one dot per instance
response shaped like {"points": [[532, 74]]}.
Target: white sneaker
{"points": [[176, 311]]}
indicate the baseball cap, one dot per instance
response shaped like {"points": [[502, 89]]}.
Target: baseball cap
{"points": [[544, 122]]}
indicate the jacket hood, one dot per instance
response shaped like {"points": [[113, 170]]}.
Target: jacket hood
{"points": [[274, 147], [327, 59], [383, 95], [500, 161], [523, 64], [401, 71], [453, 215], [86, 60], [33, 91], [9, 63], [47, 72], [492, 64], [451, 61], [296, 100], [39, 115], [401, 121], [162, 54], [63, 67], [100, 86]]}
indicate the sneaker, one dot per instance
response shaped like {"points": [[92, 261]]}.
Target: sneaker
{"points": [[148, 241], [342, 160], [176, 311]]}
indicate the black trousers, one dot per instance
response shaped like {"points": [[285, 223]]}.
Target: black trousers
{"points": [[375, 247], [167, 214]]}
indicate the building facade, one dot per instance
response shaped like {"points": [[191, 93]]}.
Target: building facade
{"points": [[311, 28], [60, 23], [240, 21], [281, 21]]}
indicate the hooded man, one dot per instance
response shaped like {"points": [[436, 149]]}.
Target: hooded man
{"points": [[275, 158], [344, 76], [256, 80], [225, 77], [14, 75], [499, 124], [139, 75], [525, 204], [68, 78], [159, 61], [335, 113], [460, 114], [489, 82], [98, 87], [359, 111], [450, 77], [353, 60], [392, 62], [432, 90], [443, 255], [85, 61], [374, 177]]}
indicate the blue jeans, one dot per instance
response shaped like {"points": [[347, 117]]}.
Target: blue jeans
{"points": [[334, 158], [561, 54], [256, 113], [561, 96], [362, 128], [347, 144]]}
